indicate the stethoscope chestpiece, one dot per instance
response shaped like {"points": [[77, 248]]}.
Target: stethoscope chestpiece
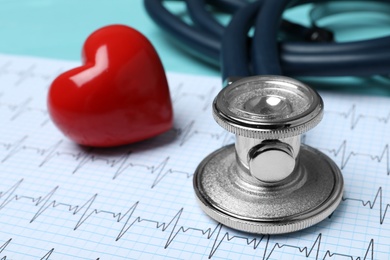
{"points": [[268, 182]]}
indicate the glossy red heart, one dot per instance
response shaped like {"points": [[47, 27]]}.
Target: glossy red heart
{"points": [[118, 96]]}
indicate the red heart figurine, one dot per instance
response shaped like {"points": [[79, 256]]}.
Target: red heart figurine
{"points": [[118, 96]]}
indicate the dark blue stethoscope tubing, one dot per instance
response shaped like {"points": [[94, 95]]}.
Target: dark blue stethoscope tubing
{"points": [[265, 46], [296, 59], [202, 19], [354, 64], [330, 8], [331, 47], [227, 6], [184, 33], [236, 63], [207, 22], [267, 59]]}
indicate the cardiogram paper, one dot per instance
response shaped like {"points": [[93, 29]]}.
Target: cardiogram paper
{"points": [[62, 201]]}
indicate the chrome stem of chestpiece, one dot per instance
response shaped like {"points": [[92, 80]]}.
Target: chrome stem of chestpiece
{"points": [[268, 182]]}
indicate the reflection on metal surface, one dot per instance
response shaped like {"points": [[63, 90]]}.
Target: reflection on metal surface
{"points": [[268, 182]]}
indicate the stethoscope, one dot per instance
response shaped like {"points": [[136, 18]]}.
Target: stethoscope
{"points": [[268, 182], [302, 51]]}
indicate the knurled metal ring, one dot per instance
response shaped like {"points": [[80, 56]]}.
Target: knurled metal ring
{"points": [[268, 107]]}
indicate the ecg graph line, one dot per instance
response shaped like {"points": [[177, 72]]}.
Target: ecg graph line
{"points": [[26, 73], [48, 254], [161, 169], [4, 67], [119, 164], [346, 156], [189, 131], [179, 93], [173, 227], [3, 247], [24, 107], [378, 199], [355, 117], [131, 216]]}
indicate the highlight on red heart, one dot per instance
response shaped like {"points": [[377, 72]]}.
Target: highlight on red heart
{"points": [[118, 96]]}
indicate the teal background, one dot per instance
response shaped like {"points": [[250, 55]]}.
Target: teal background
{"points": [[57, 29]]}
